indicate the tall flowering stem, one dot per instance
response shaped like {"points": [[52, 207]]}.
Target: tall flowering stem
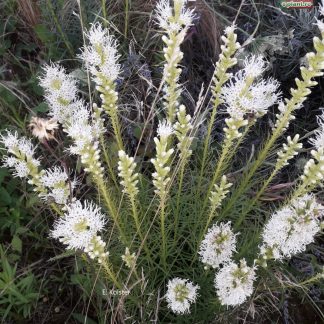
{"points": [[245, 95], [161, 176], [220, 77], [175, 21], [84, 127], [313, 68], [85, 135], [288, 151], [101, 58], [126, 168], [217, 195], [183, 128]]}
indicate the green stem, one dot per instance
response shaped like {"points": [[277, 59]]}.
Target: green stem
{"points": [[218, 169], [104, 12], [251, 203], [135, 216], [176, 220], [163, 247], [108, 200], [108, 161], [116, 126], [59, 28], [126, 17], [57, 209], [111, 274], [206, 146], [245, 184], [202, 234], [138, 228]]}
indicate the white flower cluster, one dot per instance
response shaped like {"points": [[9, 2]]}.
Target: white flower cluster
{"points": [[83, 127], [79, 226], [180, 295], [292, 228], [161, 162], [101, 56], [21, 155], [56, 181], [176, 18], [60, 92], [218, 245], [244, 96], [85, 135], [234, 283]]}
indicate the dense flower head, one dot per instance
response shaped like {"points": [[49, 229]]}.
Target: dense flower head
{"points": [[165, 129], [181, 293], [292, 228], [218, 245], [318, 140], [234, 283], [79, 225], [176, 18], [17, 145], [101, 55], [21, 154], [20, 168], [56, 180], [60, 91], [83, 131], [254, 65], [56, 81], [241, 98]]}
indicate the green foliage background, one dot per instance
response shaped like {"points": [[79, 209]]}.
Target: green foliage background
{"points": [[39, 283]]}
